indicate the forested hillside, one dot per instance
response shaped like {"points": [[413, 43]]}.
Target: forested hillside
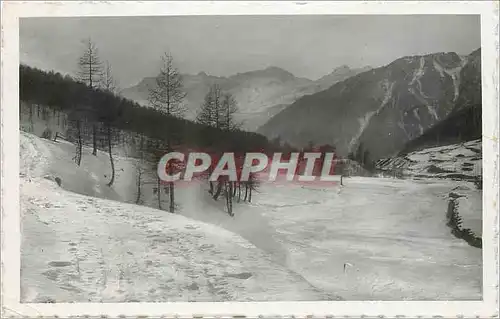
{"points": [[84, 105]]}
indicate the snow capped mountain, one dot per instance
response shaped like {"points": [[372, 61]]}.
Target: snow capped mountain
{"points": [[260, 94], [381, 109]]}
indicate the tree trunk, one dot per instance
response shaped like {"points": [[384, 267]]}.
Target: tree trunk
{"points": [[239, 192], [138, 186], [211, 184], [94, 139], [79, 145], [218, 191], [111, 157], [31, 120], [159, 194], [229, 198], [172, 202]]}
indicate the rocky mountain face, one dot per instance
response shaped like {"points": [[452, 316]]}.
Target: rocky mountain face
{"points": [[464, 123], [378, 110], [470, 86], [260, 94]]}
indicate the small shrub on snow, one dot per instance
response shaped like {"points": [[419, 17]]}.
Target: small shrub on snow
{"points": [[478, 182], [47, 134], [454, 221]]}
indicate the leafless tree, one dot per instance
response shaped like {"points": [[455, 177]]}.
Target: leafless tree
{"points": [[228, 109], [90, 73], [167, 96], [139, 166], [108, 83], [218, 111], [79, 143], [210, 112], [209, 115]]}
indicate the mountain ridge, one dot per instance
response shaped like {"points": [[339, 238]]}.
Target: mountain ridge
{"points": [[260, 94], [394, 103]]}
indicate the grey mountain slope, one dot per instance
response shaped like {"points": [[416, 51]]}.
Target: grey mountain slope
{"points": [[464, 123], [260, 94], [382, 109]]}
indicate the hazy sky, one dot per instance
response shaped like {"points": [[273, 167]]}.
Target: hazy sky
{"points": [[307, 46]]}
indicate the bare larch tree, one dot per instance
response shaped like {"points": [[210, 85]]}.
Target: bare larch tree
{"points": [[108, 83], [90, 73], [209, 115], [218, 111], [228, 110], [167, 96]]}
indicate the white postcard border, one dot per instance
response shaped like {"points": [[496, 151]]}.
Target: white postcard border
{"points": [[12, 11]]}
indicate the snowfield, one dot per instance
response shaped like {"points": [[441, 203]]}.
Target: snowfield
{"points": [[77, 248], [372, 239], [460, 161], [390, 235]]}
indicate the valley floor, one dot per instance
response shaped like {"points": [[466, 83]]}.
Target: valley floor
{"points": [[372, 239]]}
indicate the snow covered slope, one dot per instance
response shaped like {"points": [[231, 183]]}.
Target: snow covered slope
{"points": [[456, 161], [373, 239], [80, 248]]}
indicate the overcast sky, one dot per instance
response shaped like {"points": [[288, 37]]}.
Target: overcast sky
{"points": [[307, 46]]}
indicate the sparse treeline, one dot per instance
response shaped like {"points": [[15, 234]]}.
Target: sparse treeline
{"points": [[217, 111], [100, 118]]}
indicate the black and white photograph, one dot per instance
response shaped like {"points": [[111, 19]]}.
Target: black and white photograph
{"points": [[252, 158]]}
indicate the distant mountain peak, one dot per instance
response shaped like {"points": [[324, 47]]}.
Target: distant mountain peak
{"points": [[395, 103], [278, 71], [275, 69], [339, 74], [269, 72], [342, 68]]}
